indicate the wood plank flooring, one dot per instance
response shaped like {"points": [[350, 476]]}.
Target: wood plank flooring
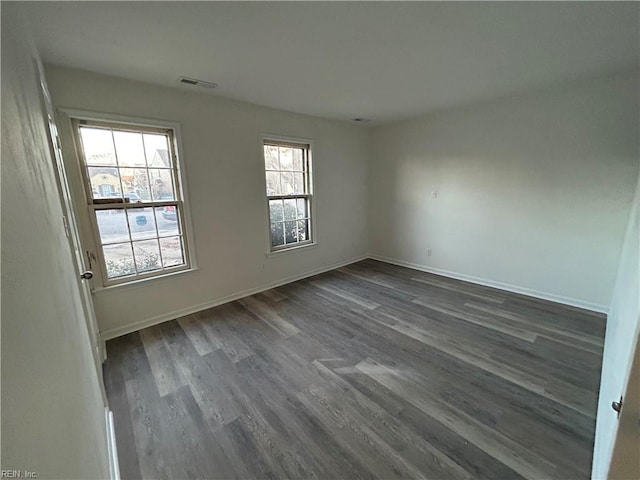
{"points": [[367, 371]]}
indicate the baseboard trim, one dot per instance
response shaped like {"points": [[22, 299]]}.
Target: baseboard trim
{"points": [[134, 327], [112, 450], [573, 302]]}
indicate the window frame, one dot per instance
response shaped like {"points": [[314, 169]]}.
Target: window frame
{"points": [[307, 144], [77, 118]]}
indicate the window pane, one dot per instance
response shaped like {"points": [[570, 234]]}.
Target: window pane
{"points": [[286, 158], [129, 149], [287, 177], [141, 223], [98, 146], [271, 158], [125, 168], [297, 159], [298, 182], [303, 230], [112, 225], [167, 221], [147, 255], [135, 183], [105, 182], [119, 260], [273, 183], [172, 251], [290, 232], [288, 187], [290, 209], [276, 212], [157, 150], [141, 186], [277, 234], [302, 208], [161, 183]]}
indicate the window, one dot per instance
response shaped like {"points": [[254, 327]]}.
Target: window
{"points": [[288, 182], [132, 184]]}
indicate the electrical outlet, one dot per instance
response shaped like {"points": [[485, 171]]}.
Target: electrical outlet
{"points": [[429, 252], [434, 194]]}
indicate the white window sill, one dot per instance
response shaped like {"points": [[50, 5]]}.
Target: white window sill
{"points": [[297, 248], [143, 282]]}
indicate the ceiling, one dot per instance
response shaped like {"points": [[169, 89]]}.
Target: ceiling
{"points": [[383, 61]]}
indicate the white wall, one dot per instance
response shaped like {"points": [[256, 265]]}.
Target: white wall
{"points": [[222, 153], [534, 190], [52, 410], [623, 324]]}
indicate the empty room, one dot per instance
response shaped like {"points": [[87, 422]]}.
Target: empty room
{"points": [[320, 240]]}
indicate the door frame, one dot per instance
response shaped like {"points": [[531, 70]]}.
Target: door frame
{"points": [[97, 344], [98, 349], [624, 457]]}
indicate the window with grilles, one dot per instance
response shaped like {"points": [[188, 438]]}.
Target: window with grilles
{"points": [[132, 184], [288, 187]]}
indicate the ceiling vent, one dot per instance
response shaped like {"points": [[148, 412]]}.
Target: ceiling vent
{"points": [[196, 83]]}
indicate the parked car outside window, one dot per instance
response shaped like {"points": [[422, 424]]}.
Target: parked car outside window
{"points": [[169, 212]]}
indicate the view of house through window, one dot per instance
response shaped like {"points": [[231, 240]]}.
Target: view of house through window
{"points": [[287, 171], [131, 179]]}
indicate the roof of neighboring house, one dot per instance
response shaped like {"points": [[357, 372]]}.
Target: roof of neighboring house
{"points": [[160, 159]]}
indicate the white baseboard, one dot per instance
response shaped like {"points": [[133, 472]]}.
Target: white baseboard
{"points": [[112, 451], [134, 327], [573, 302]]}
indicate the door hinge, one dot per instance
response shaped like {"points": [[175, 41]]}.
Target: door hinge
{"points": [[617, 406], [90, 258], [65, 222]]}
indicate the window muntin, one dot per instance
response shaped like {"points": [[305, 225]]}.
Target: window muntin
{"points": [[288, 188], [132, 185]]}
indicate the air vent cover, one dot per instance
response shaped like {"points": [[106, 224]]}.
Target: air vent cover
{"points": [[196, 83]]}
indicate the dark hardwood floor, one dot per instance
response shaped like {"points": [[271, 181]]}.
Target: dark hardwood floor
{"points": [[368, 371]]}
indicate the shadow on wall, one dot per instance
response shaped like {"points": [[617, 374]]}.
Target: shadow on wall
{"points": [[533, 191]]}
